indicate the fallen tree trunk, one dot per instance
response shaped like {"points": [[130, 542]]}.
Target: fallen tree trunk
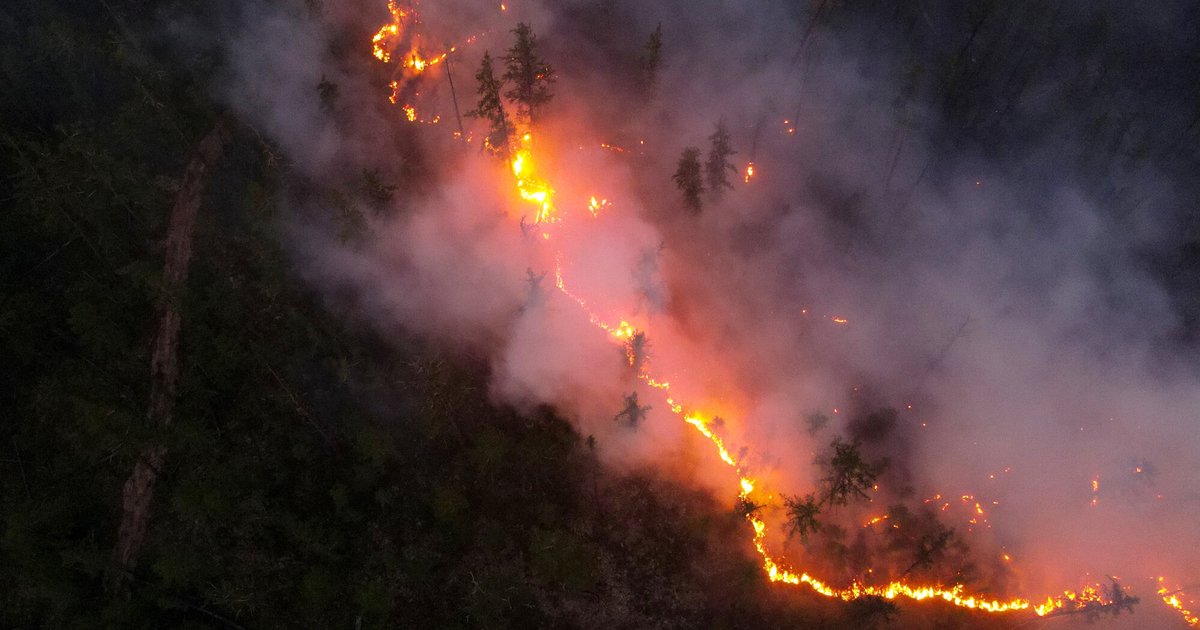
{"points": [[138, 491]]}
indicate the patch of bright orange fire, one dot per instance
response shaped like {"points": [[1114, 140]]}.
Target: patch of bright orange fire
{"points": [[537, 191]]}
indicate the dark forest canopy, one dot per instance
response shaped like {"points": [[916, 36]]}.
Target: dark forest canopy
{"points": [[317, 474]]}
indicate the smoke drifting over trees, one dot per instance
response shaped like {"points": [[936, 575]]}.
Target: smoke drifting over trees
{"points": [[942, 222], [950, 323]]}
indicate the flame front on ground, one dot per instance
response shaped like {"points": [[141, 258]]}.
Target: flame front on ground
{"points": [[1171, 599], [533, 189]]}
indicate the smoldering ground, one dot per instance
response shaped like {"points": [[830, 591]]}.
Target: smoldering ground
{"points": [[997, 201]]}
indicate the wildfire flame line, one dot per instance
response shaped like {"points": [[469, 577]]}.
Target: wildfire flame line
{"points": [[956, 595], [1171, 599], [533, 189]]}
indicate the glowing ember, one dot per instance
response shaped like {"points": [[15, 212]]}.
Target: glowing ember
{"points": [[595, 205], [877, 519], [749, 172]]}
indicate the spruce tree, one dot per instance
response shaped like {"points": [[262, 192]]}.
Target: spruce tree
{"points": [[529, 75], [718, 167], [651, 61], [491, 107], [688, 178]]}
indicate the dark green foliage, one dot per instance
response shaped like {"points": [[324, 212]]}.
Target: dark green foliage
{"points": [[745, 507], [876, 426], [633, 413], [491, 108], [848, 475], [376, 189], [651, 61], [871, 612], [328, 92], [930, 548], [688, 178], [718, 167], [802, 515], [637, 350], [815, 421], [528, 74]]}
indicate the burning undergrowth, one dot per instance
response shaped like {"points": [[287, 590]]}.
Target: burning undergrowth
{"points": [[749, 248]]}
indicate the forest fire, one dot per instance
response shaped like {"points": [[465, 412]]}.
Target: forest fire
{"points": [[388, 35], [600, 313], [533, 189], [529, 186], [1171, 599]]}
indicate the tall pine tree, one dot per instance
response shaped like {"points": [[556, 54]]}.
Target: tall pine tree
{"points": [[718, 167], [491, 107], [529, 75], [688, 178]]}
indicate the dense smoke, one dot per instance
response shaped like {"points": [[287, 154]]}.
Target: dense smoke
{"points": [[1009, 251]]}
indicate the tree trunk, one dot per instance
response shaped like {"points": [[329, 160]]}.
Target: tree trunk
{"points": [[138, 492]]}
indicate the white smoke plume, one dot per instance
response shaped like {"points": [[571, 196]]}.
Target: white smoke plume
{"points": [[1001, 299]]}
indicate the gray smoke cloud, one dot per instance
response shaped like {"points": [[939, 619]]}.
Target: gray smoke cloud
{"points": [[1005, 249]]}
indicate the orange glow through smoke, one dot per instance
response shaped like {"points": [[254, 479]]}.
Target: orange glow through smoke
{"points": [[532, 188]]}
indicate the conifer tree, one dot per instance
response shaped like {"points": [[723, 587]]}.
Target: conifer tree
{"points": [[688, 178], [718, 167], [651, 61], [529, 75], [491, 107]]}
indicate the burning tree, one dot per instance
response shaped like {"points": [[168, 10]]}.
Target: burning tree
{"points": [[637, 350], [718, 167], [687, 177], [530, 75], [491, 107]]}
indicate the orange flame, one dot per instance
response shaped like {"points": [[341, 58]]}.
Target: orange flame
{"points": [[1171, 599], [530, 187], [533, 189], [387, 35]]}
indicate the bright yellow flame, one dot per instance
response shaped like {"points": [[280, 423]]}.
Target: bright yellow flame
{"points": [[417, 63], [749, 172], [529, 186], [387, 35], [535, 190], [875, 520], [1172, 600]]}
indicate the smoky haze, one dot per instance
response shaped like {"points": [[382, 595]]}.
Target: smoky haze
{"points": [[1000, 204]]}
